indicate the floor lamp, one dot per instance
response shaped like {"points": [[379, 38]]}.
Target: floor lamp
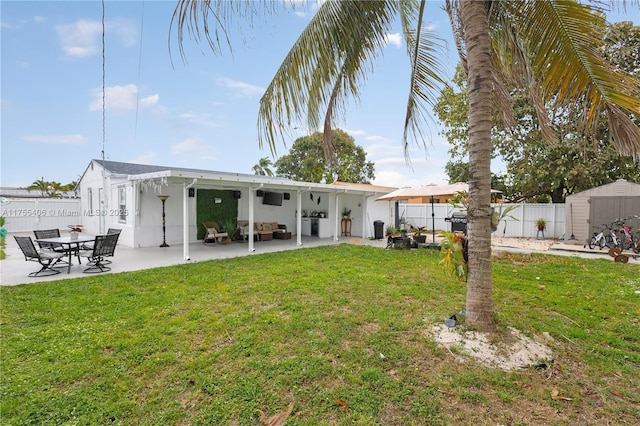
{"points": [[164, 232]]}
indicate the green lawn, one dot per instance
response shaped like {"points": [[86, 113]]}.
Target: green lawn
{"points": [[213, 343]]}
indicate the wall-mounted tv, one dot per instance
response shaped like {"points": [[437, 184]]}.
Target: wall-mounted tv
{"points": [[272, 198]]}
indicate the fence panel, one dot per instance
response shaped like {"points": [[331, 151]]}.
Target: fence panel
{"points": [[23, 215], [522, 222]]}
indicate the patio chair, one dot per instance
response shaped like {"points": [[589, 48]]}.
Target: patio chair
{"points": [[57, 248], [48, 233], [110, 231], [46, 258], [104, 245], [212, 232], [89, 246]]}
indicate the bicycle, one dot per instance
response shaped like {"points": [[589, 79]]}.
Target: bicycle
{"points": [[607, 237], [627, 238]]}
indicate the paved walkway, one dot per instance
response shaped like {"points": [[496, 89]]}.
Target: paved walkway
{"points": [[14, 269]]}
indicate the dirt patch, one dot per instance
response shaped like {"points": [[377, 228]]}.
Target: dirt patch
{"points": [[510, 351]]}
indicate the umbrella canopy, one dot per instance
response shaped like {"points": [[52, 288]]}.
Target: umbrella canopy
{"points": [[425, 191]]}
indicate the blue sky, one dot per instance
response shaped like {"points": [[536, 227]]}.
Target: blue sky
{"points": [[161, 110]]}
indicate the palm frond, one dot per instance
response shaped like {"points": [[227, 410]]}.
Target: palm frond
{"points": [[424, 49], [326, 67], [562, 41], [210, 20]]}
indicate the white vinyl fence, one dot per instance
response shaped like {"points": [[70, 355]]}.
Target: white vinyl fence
{"points": [[524, 224], [28, 214]]}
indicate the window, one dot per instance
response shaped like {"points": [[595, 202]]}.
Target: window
{"points": [[122, 203], [90, 201]]}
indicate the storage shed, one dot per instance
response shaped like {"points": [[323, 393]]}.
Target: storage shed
{"points": [[586, 210]]}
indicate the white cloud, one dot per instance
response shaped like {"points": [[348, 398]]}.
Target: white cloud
{"points": [[56, 139], [196, 147], [394, 39], [82, 38], [79, 39], [241, 88], [39, 19], [121, 98]]}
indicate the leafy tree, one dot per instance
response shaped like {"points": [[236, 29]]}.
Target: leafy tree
{"points": [[307, 161], [547, 170], [263, 168], [549, 47]]}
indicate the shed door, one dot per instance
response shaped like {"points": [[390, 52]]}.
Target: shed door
{"points": [[608, 209]]}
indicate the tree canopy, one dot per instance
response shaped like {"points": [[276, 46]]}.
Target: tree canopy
{"points": [[539, 169], [306, 160]]}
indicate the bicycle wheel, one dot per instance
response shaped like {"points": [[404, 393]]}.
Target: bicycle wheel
{"points": [[592, 243], [624, 242]]}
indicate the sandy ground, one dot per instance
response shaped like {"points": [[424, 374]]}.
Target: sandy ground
{"points": [[525, 243], [508, 352]]}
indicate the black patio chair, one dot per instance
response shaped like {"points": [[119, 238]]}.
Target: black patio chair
{"points": [[58, 248], [104, 245], [89, 247], [46, 258], [48, 233]]}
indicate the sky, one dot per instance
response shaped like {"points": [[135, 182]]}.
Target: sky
{"points": [[200, 112]]}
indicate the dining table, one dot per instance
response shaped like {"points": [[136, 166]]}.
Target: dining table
{"points": [[70, 245]]}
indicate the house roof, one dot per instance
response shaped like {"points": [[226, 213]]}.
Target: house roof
{"points": [[216, 178]]}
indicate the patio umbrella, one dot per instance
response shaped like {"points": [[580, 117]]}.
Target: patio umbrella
{"points": [[426, 191]]}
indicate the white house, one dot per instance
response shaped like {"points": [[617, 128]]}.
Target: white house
{"points": [[126, 196]]}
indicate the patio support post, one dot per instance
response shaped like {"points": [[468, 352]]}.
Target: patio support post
{"points": [[252, 197], [185, 219], [299, 217], [336, 219]]}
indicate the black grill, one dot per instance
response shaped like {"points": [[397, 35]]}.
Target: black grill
{"points": [[458, 222]]}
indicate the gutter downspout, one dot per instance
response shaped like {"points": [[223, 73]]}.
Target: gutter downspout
{"points": [[185, 219]]}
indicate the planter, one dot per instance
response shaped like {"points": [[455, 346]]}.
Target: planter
{"points": [[420, 239]]}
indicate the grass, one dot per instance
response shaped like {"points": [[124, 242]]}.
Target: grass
{"points": [[218, 342]]}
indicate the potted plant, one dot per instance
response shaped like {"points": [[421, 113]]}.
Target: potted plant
{"points": [[391, 230], [419, 237], [228, 226], [346, 212], [541, 224]]}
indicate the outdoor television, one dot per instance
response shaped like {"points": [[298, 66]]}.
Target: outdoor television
{"points": [[272, 198]]}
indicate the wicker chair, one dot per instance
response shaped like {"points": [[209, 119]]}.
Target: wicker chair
{"points": [[46, 258], [212, 232]]}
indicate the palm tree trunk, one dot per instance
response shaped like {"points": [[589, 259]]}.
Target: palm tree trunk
{"points": [[479, 283]]}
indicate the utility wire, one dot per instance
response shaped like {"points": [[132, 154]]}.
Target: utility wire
{"points": [[104, 108], [135, 131]]}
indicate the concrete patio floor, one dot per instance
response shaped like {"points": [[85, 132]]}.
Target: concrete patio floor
{"points": [[14, 269]]}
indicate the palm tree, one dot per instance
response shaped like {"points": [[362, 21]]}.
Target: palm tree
{"points": [[263, 167], [41, 185], [548, 47]]}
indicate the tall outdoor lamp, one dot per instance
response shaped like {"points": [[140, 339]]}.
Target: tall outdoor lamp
{"points": [[163, 198]]}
